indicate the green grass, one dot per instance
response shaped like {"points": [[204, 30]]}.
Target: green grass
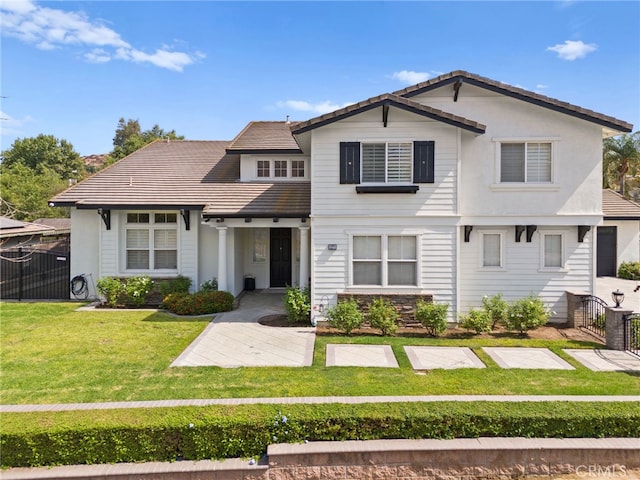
{"points": [[52, 354]]}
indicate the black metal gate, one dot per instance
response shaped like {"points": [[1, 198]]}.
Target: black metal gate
{"points": [[632, 333], [593, 314], [32, 273]]}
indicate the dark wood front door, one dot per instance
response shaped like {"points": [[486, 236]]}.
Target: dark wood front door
{"points": [[606, 256], [280, 257]]}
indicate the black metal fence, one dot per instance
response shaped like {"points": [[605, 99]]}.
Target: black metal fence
{"points": [[593, 315], [31, 273], [632, 333]]}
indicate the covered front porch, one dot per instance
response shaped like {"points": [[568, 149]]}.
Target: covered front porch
{"points": [[259, 253]]}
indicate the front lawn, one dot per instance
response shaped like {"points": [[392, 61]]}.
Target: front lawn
{"points": [[54, 354]]}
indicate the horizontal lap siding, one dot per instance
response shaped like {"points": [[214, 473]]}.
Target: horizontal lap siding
{"points": [[329, 197], [522, 275], [331, 267]]}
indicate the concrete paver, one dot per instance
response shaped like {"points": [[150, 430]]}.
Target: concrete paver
{"points": [[523, 357], [429, 358], [349, 355], [605, 360]]}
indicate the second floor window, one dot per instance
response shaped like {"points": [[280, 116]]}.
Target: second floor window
{"points": [[280, 168], [526, 162], [297, 168], [264, 170], [387, 162]]}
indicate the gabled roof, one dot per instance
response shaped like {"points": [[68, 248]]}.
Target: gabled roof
{"points": [[186, 174], [388, 99], [460, 77], [265, 137], [616, 207]]}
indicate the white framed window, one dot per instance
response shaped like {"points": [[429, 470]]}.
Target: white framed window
{"points": [[491, 250], [280, 168], [384, 260], [552, 255], [260, 245], [151, 241], [526, 162], [297, 168], [264, 168], [387, 162]]}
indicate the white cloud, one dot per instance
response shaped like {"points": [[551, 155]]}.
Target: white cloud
{"points": [[410, 77], [572, 50], [49, 28], [318, 108], [12, 126]]}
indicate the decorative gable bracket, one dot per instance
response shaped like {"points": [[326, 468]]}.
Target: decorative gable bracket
{"points": [[530, 231], [519, 231], [186, 216], [582, 231], [106, 217], [385, 114]]}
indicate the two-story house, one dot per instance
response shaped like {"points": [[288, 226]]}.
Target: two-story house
{"points": [[455, 188]]}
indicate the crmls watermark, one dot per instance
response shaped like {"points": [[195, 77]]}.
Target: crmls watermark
{"points": [[601, 471]]}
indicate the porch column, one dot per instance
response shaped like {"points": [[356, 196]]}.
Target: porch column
{"points": [[222, 258], [304, 257]]}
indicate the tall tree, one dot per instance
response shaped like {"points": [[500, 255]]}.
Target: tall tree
{"points": [[621, 156], [45, 151], [129, 137]]}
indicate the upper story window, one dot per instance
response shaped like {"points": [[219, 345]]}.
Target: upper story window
{"points": [[297, 168], [386, 162], [525, 162], [280, 168], [264, 168], [151, 241]]}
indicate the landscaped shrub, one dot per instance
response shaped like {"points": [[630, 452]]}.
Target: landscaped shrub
{"points": [[432, 316], [629, 270], [180, 284], [527, 314], [216, 432], [497, 308], [111, 289], [199, 303], [383, 315], [209, 285], [345, 316], [137, 289], [297, 303], [477, 320]]}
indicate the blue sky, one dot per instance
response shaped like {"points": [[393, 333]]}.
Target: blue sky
{"points": [[206, 68]]}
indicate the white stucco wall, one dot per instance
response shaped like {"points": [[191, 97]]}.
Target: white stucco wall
{"points": [[628, 240]]}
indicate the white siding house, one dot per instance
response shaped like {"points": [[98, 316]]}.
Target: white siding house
{"points": [[451, 189]]}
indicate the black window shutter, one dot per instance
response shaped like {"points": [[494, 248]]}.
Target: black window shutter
{"points": [[423, 161], [350, 162]]}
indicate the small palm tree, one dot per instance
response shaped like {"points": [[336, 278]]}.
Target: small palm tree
{"points": [[620, 156]]}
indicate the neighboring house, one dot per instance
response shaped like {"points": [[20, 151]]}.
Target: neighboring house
{"points": [[43, 233], [619, 234], [454, 188]]}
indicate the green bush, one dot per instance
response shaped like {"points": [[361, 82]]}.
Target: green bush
{"points": [[180, 284], [244, 431], [497, 308], [527, 314], [111, 289], [345, 316], [199, 303], [383, 315], [297, 303], [477, 320], [137, 288], [629, 270], [209, 285], [432, 316]]}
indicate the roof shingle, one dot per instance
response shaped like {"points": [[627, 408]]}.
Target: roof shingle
{"points": [[265, 137], [616, 207]]}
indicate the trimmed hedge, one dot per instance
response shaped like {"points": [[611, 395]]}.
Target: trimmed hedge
{"points": [[192, 433], [199, 303]]}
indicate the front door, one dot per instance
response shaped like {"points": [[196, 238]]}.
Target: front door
{"points": [[606, 256], [280, 257]]}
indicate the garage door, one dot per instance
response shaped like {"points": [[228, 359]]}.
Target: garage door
{"points": [[606, 263]]}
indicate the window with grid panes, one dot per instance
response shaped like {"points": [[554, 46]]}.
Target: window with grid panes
{"points": [[264, 169], [280, 168], [297, 168], [151, 241]]}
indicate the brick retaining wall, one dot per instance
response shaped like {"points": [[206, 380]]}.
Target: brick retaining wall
{"points": [[405, 303]]}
